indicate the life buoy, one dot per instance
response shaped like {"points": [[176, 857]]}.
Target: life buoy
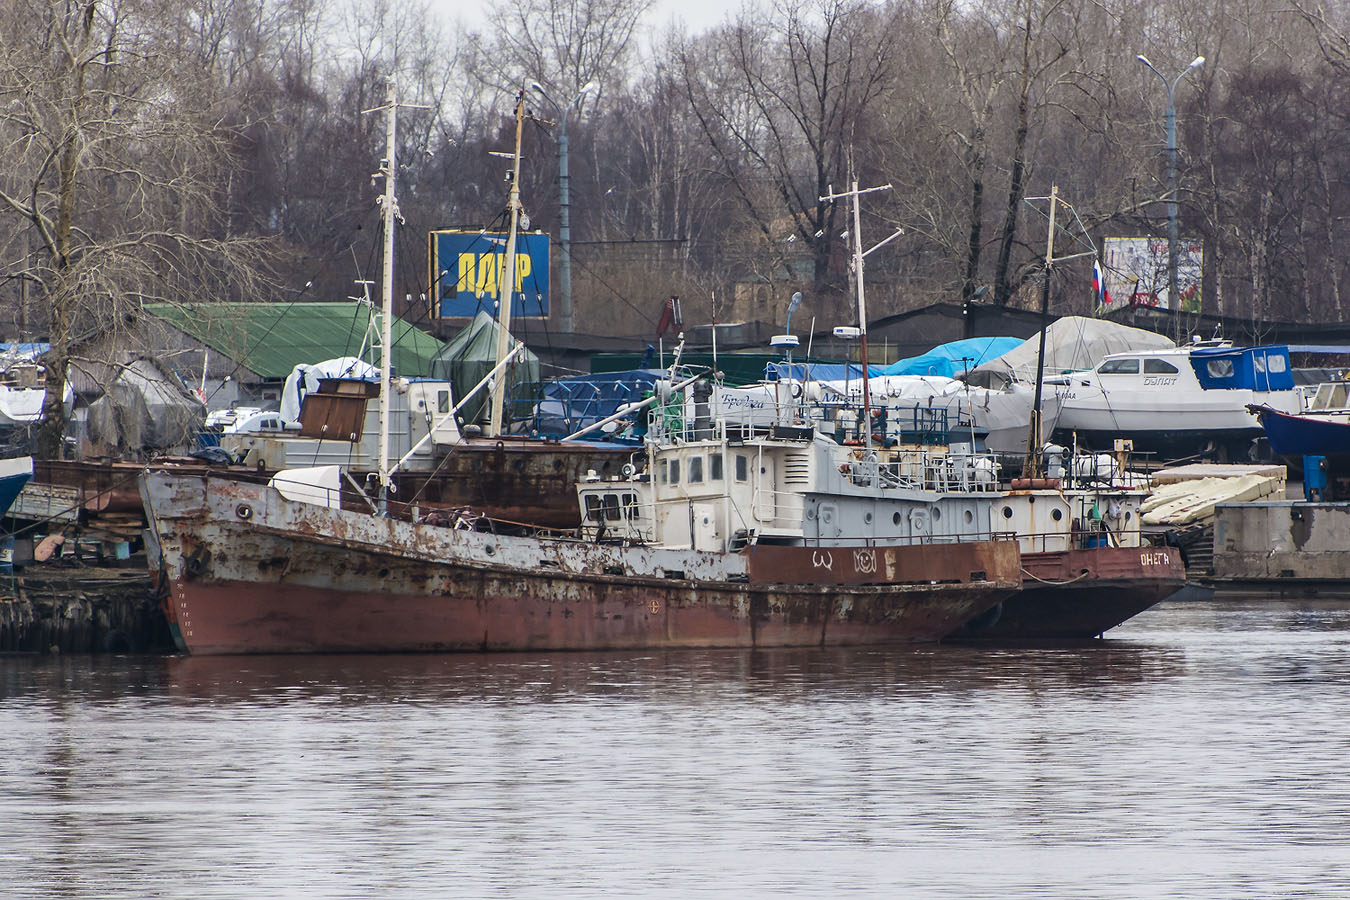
{"points": [[796, 392]]}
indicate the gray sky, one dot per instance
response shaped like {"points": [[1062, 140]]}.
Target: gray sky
{"points": [[697, 15]]}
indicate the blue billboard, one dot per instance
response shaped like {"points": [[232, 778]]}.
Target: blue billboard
{"points": [[467, 269]]}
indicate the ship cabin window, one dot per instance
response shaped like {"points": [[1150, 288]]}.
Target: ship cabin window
{"points": [[1219, 368], [442, 402], [611, 507], [674, 472], [1159, 367], [696, 470], [1119, 367], [593, 507], [630, 507], [715, 467], [1272, 363], [742, 467]]}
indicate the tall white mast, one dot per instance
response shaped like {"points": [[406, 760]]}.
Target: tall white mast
{"points": [[390, 211], [506, 284]]}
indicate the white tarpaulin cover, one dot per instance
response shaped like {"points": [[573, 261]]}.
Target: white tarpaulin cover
{"points": [[1072, 343], [307, 377]]}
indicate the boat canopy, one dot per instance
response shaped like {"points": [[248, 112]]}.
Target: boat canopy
{"points": [[567, 405], [1264, 368], [950, 359]]}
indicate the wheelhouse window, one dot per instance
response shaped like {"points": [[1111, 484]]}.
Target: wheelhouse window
{"points": [[715, 467], [611, 506], [593, 507], [1119, 367], [1159, 367], [674, 472], [742, 467], [442, 402], [696, 470], [630, 507]]}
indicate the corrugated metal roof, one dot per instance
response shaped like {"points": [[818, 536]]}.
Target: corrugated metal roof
{"points": [[272, 338]]}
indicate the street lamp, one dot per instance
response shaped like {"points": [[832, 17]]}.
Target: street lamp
{"points": [[1173, 300], [564, 217]]}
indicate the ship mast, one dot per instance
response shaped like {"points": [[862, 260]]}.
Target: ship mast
{"points": [[390, 211], [388, 215], [1031, 466], [506, 283], [858, 255]]}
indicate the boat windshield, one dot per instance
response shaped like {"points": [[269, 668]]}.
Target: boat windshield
{"points": [[1159, 367], [1119, 367]]}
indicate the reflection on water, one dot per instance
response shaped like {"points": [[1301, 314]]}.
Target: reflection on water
{"points": [[1200, 752]]}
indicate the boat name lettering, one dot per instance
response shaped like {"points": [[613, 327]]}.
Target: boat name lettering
{"points": [[822, 559], [1160, 380], [1154, 558], [865, 561]]}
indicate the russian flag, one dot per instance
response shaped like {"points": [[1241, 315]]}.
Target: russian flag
{"points": [[1099, 285]]}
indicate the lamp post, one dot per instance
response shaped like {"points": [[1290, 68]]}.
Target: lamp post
{"points": [[564, 217], [1173, 301]]}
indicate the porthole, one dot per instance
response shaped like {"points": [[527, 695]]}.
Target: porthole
{"points": [[896, 518], [970, 517], [1056, 514], [937, 513], [867, 517], [1007, 512], [244, 511]]}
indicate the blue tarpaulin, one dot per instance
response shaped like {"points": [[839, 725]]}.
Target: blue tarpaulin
{"points": [[949, 360], [817, 371]]}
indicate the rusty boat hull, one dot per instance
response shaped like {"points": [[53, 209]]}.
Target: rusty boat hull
{"points": [[251, 572], [1079, 594]]}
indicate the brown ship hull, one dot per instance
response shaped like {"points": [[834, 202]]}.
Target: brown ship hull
{"points": [[1080, 594], [252, 573]]}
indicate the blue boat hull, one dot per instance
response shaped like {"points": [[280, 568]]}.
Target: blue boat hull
{"points": [[14, 474], [1303, 435]]}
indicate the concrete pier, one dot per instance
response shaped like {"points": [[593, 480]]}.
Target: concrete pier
{"points": [[1288, 548]]}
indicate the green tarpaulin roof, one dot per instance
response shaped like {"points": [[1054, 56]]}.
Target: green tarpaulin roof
{"points": [[272, 338]]}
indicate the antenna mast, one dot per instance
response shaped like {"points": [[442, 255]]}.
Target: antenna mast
{"points": [[858, 254]]}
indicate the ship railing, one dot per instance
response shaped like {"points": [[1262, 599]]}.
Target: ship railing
{"points": [[913, 540]]}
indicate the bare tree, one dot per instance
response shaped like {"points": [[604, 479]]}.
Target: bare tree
{"points": [[113, 163], [781, 100]]}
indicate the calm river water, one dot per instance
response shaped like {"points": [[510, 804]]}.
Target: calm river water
{"points": [[1202, 751]]}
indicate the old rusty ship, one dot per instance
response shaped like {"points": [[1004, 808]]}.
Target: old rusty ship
{"points": [[729, 540]]}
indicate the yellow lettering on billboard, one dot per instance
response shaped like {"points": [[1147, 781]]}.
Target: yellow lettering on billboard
{"points": [[487, 273], [523, 268], [466, 279]]}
